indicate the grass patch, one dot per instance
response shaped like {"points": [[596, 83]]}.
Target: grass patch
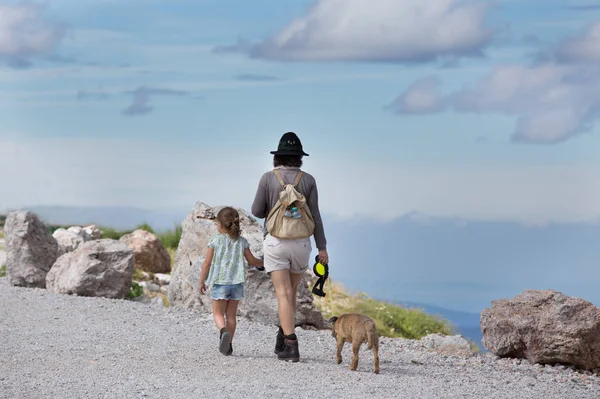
{"points": [[139, 275], [391, 320], [108, 232], [1, 233], [145, 227], [171, 238], [171, 252], [3, 271]]}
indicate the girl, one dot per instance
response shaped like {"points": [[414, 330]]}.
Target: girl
{"points": [[224, 267]]}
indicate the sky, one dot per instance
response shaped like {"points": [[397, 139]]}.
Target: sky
{"points": [[478, 111], [473, 109]]}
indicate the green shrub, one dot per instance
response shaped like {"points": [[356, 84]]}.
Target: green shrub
{"points": [[2, 270], [107, 232], [135, 290], [171, 238]]}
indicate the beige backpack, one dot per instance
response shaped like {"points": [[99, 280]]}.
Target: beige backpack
{"points": [[280, 222]]}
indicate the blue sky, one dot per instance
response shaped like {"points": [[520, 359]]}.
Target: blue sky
{"points": [[472, 109]]}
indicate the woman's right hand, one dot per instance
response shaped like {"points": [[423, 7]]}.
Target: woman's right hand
{"points": [[323, 257]]}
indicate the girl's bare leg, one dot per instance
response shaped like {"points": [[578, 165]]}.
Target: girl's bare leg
{"points": [[219, 308], [231, 316]]}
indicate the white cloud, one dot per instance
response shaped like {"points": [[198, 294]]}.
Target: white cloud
{"points": [[126, 172], [26, 32], [383, 30], [552, 103], [584, 47], [421, 97]]}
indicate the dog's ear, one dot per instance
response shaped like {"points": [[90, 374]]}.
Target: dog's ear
{"points": [[333, 319]]}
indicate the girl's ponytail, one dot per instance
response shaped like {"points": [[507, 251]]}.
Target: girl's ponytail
{"points": [[230, 220]]}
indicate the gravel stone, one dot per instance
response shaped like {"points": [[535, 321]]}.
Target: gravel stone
{"points": [[61, 346]]}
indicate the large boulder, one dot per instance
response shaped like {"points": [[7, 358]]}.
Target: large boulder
{"points": [[70, 239], [100, 268], [30, 249], [545, 327], [150, 254], [259, 303]]}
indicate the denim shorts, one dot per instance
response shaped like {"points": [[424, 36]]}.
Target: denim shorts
{"points": [[228, 291]]}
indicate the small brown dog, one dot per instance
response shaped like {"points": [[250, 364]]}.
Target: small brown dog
{"points": [[357, 329]]}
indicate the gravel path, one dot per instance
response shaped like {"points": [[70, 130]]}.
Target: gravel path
{"points": [[56, 346]]}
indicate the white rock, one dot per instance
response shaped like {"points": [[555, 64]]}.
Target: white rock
{"points": [[162, 279], [93, 232], [70, 239], [152, 287], [30, 249], [260, 304], [454, 345], [101, 268]]}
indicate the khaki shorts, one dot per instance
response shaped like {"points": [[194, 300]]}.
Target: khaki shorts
{"points": [[292, 255]]}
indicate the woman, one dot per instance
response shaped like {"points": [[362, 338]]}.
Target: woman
{"points": [[287, 260]]}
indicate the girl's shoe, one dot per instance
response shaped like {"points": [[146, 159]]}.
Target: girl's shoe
{"points": [[279, 342], [224, 341], [230, 351]]}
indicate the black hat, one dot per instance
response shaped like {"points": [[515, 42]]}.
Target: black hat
{"points": [[289, 145]]}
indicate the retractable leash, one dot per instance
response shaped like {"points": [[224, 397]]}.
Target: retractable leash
{"points": [[321, 270]]}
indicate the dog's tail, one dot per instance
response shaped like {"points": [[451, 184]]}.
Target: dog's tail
{"points": [[372, 336]]}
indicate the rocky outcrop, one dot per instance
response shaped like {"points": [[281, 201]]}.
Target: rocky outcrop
{"points": [[150, 254], [93, 232], [259, 304], [100, 268], [30, 249], [545, 327], [70, 239]]}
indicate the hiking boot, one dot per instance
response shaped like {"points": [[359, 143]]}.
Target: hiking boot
{"points": [[279, 344], [224, 341], [290, 351]]}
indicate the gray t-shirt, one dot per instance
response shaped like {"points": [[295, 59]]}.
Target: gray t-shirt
{"points": [[268, 191]]}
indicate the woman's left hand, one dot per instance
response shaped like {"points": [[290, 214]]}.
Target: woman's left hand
{"points": [[324, 257]]}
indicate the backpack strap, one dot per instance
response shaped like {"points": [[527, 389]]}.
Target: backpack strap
{"points": [[298, 177], [276, 172], [296, 181]]}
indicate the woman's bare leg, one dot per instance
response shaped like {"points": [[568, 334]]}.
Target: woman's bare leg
{"points": [[285, 301]]}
